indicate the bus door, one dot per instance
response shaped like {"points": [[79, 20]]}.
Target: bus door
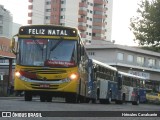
{"points": [[119, 91], [103, 87], [112, 89], [142, 94]]}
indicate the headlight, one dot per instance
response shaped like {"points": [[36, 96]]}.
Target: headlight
{"points": [[73, 76], [17, 74]]}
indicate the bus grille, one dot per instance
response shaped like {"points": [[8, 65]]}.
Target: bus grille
{"points": [[44, 71]]}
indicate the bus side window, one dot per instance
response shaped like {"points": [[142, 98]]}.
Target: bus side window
{"points": [[119, 83]]}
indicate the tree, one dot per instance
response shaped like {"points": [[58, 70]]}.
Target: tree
{"points": [[146, 26]]}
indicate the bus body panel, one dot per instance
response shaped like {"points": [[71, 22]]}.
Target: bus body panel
{"points": [[50, 84]]}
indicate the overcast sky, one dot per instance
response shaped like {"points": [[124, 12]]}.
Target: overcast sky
{"points": [[123, 10]]}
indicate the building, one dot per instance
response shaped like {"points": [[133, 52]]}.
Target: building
{"points": [[6, 65], [92, 17], [129, 59], [15, 28], [5, 22]]}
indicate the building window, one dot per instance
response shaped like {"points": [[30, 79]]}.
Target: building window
{"points": [[62, 17], [48, 2], [93, 34], [140, 60], [62, 2], [91, 53], [48, 10], [47, 17], [151, 62], [63, 9], [1, 31], [120, 56], [130, 58]]}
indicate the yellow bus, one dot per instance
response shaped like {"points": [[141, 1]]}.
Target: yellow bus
{"points": [[51, 61]]}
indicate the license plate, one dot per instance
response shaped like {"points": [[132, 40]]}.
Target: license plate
{"points": [[44, 85]]}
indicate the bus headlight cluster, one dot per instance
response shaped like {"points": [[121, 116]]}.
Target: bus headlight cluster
{"points": [[66, 80], [24, 78], [17, 74], [71, 77]]}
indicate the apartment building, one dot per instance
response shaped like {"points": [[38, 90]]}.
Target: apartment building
{"points": [[92, 17], [5, 22], [129, 59]]}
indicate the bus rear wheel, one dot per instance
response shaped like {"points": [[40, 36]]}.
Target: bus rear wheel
{"points": [[136, 102], [71, 98]]}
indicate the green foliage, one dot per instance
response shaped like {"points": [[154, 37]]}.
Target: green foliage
{"points": [[155, 49], [146, 26]]}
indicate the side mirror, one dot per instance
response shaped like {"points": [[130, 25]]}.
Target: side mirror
{"points": [[13, 44]]}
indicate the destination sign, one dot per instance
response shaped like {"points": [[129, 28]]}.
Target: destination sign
{"points": [[48, 31]]}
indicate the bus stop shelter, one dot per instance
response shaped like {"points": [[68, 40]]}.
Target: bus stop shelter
{"points": [[6, 65]]}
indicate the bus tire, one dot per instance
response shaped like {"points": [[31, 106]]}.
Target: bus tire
{"points": [[27, 96], [42, 98], [49, 98], [136, 102], [71, 98], [119, 102], [109, 100]]}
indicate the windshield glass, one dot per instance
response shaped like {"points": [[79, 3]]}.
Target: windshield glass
{"points": [[47, 52]]}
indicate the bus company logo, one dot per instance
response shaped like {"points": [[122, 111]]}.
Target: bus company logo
{"points": [[44, 79], [6, 114]]}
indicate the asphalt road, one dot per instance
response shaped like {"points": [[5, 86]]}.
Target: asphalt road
{"points": [[81, 111]]}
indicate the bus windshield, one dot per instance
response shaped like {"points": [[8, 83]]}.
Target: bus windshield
{"points": [[47, 52]]}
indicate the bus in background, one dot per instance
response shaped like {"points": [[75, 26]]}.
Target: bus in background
{"points": [[131, 89], [104, 85], [51, 61]]}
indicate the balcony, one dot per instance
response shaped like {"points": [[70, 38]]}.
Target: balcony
{"points": [[82, 4], [98, 24], [98, 9], [83, 35], [30, 14], [99, 31], [97, 38], [82, 12], [30, 1], [99, 16], [30, 7], [82, 20], [101, 2], [29, 21], [82, 28]]}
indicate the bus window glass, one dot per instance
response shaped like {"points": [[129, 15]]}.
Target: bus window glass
{"points": [[34, 52]]}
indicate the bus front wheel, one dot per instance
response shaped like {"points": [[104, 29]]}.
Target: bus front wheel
{"points": [[28, 96]]}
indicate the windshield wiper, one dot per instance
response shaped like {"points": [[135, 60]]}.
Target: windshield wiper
{"points": [[56, 45], [41, 48], [38, 44]]}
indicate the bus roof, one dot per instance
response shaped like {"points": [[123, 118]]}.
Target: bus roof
{"points": [[104, 65], [131, 75]]}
